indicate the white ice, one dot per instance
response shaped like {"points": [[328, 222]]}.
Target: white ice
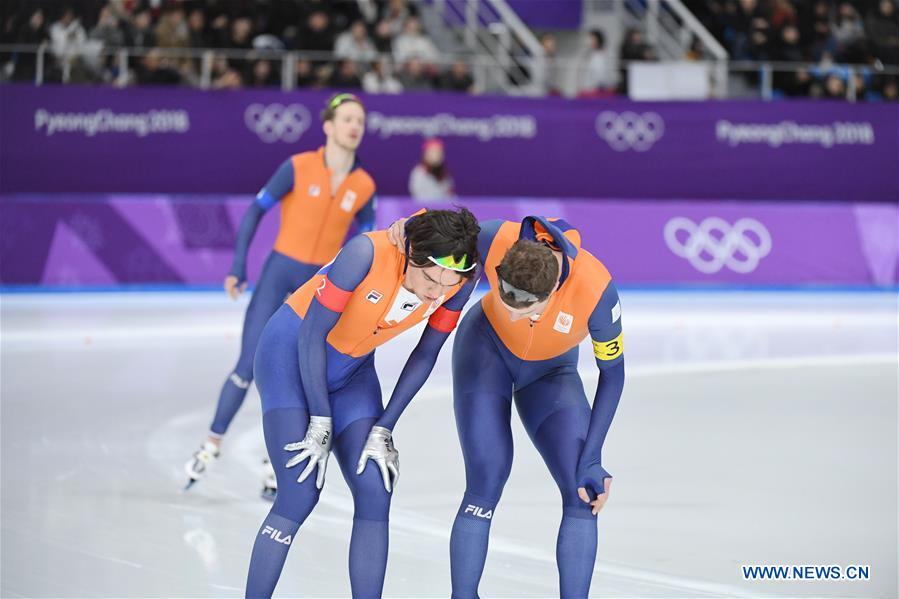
{"points": [[755, 428]]}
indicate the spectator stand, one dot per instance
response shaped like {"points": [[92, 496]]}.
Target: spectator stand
{"points": [[780, 48]]}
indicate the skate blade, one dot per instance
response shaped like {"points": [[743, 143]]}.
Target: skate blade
{"points": [[190, 482]]}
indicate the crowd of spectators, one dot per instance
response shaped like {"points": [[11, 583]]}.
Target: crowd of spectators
{"points": [[380, 45], [827, 33], [376, 45]]}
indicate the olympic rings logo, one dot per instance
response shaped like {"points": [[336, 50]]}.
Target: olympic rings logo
{"points": [[714, 244], [276, 122], [629, 130]]}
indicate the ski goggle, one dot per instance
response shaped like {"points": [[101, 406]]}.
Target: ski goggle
{"points": [[519, 295], [447, 262], [453, 264]]}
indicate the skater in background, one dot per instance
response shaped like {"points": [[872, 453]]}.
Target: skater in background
{"points": [[321, 193]]}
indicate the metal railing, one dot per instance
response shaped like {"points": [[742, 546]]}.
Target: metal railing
{"points": [[493, 31], [98, 61], [671, 28], [747, 79]]}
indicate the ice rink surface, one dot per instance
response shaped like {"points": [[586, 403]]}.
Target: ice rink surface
{"points": [[755, 428]]}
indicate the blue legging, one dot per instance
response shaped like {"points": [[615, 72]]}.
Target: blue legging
{"points": [[552, 405], [281, 276], [355, 397]]}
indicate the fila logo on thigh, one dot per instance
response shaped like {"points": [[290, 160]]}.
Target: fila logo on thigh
{"points": [[479, 512], [275, 534]]}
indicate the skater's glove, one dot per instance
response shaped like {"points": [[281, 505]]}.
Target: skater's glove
{"points": [[593, 482], [379, 448], [316, 446]]}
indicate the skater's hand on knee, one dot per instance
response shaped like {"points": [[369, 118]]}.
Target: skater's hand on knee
{"points": [[379, 448], [396, 233], [593, 484], [234, 286], [315, 447], [601, 498]]}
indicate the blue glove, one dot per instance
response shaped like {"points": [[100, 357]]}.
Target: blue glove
{"points": [[591, 475]]}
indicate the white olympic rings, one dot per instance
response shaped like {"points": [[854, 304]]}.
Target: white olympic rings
{"points": [[629, 130], [714, 244], [276, 122]]}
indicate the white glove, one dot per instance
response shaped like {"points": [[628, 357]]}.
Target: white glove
{"points": [[316, 446], [379, 447]]}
